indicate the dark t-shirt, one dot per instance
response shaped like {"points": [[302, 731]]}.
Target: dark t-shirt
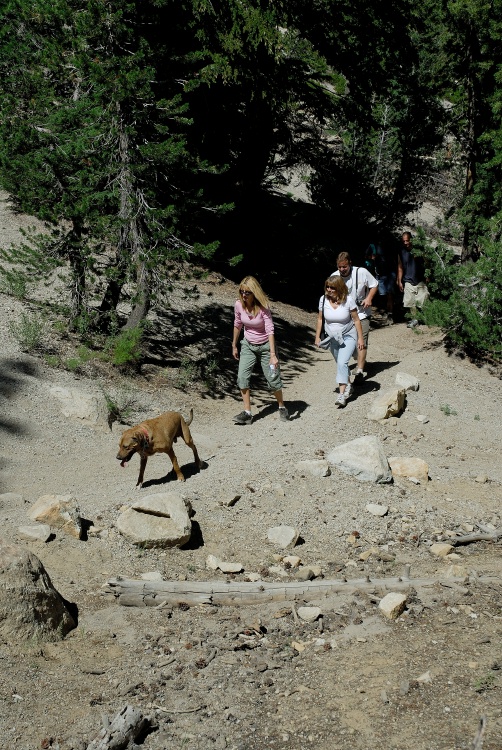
{"points": [[413, 268]]}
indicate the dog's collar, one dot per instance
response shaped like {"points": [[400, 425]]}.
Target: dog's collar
{"points": [[145, 431]]}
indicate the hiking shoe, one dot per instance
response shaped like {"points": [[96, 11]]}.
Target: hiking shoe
{"points": [[390, 320], [243, 418], [283, 414], [359, 374], [348, 391], [412, 324], [340, 401]]}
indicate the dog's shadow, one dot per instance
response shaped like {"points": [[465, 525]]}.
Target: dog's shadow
{"points": [[188, 471]]}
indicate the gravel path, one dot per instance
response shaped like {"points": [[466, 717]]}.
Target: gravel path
{"points": [[257, 677]]}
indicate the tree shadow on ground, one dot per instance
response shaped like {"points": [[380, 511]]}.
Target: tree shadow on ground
{"points": [[198, 343], [12, 379]]}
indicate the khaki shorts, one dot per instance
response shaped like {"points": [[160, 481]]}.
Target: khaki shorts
{"points": [[415, 296], [365, 325]]}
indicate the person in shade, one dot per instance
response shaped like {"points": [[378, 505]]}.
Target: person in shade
{"points": [[252, 313], [411, 279], [343, 326]]}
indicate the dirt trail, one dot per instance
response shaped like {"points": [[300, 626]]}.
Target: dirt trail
{"points": [[256, 677]]}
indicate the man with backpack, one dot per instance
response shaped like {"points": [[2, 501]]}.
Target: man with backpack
{"points": [[362, 287]]}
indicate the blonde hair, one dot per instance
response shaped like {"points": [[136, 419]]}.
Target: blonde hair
{"points": [[339, 286], [250, 284]]}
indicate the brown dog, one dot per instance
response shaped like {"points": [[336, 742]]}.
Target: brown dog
{"points": [[157, 436]]}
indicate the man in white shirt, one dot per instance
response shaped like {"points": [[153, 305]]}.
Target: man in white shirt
{"points": [[362, 288]]}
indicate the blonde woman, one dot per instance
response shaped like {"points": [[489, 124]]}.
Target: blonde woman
{"points": [[252, 312], [342, 324]]}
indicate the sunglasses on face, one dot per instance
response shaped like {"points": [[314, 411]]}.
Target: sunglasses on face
{"points": [[331, 288], [244, 292]]}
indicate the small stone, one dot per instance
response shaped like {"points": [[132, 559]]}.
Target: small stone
{"points": [[304, 574], [230, 567], [212, 562], [422, 418], [309, 614], [41, 532], [252, 577], [393, 604], [292, 560], [283, 536], [425, 677], [404, 687], [377, 510], [408, 382], [440, 549], [481, 478]]}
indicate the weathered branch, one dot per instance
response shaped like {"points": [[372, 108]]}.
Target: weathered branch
{"points": [[133, 593], [125, 728], [477, 537]]}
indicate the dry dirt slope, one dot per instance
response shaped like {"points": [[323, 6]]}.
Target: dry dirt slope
{"points": [[256, 677]]}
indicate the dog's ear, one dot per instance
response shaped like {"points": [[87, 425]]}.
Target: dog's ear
{"points": [[141, 440]]}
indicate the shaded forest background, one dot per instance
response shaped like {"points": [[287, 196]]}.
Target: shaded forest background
{"points": [[155, 139]]}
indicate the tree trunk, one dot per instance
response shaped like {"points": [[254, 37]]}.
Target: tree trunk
{"points": [[78, 268], [469, 251], [130, 242]]}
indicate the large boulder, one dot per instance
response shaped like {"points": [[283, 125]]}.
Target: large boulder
{"points": [[87, 408], [161, 520], [30, 606], [363, 458]]}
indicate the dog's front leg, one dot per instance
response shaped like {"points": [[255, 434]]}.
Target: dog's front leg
{"points": [[142, 467]]}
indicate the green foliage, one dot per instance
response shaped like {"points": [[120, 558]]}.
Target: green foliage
{"points": [[120, 405], [448, 411], [29, 332], [13, 283], [202, 373], [485, 682], [467, 300], [125, 349]]}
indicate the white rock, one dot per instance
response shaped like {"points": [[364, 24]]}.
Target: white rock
{"points": [[253, 577], [88, 408], [309, 614], [422, 418], [160, 520], [425, 677], [283, 536], [392, 604], [230, 567], [408, 382], [377, 510], [292, 560], [314, 467], [363, 458], [40, 532], [212, 562]]}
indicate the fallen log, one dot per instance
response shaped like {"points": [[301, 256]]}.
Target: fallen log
{"points": [[477, 537], [127, 726], [134, 593]]}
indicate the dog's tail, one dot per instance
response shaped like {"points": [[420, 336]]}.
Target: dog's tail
{"points": [[189, 420]]}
